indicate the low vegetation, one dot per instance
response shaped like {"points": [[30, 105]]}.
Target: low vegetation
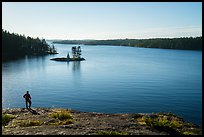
{"points": [[63, 116], [6, 118], [59, 121], [28, 123], [167, 122]]}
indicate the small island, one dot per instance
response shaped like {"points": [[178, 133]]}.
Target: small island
{"points": [[76, 52]]}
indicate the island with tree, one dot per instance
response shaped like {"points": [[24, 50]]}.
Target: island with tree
{"points": [[76, 55]]}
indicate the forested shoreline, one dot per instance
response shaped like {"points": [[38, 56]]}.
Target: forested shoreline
{"points": [[185, 43], [15, 46]]}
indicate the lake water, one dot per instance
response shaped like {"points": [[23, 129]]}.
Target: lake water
{"points": [[112, 79]]}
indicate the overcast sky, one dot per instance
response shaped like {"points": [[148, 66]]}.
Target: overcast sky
{"points": [[103, 20]]}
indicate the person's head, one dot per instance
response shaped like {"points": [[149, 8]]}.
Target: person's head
{"points": [[27, 92]]}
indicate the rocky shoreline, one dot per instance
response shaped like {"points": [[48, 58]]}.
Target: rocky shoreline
{"points": [[58, 121]]}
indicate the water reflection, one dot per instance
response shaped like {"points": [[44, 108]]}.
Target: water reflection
{"points": [[75, 69], [35, 61], [76, 66]]}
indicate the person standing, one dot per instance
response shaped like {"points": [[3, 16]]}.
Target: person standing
{"points": [[27, 99]]}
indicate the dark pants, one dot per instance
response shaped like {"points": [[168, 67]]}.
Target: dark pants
{"points": [[28, 102]]}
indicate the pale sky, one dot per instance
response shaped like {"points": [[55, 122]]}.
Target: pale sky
{"points": [[103, 20]]}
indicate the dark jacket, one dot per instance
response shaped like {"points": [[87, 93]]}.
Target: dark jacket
{"points": [[27, 96]]}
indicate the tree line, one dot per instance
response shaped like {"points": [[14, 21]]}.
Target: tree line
{"points": [[15, 45], [185, 43]]}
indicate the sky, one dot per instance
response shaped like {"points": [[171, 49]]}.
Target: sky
{"points": [[103, 20]]}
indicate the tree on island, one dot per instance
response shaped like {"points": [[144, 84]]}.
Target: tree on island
{"points": [[52, 49], [76, 52]]}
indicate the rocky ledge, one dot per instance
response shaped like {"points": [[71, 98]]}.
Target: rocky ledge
{"points": [[58, 121]]}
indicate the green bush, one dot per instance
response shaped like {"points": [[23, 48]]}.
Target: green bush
{"points": [[6, 118], [62, 115], [168, 122], [163, 123], [27, 123], [65, 122]]}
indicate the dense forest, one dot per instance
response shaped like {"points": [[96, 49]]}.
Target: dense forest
{"points": [[185, 43], [15, 45]]}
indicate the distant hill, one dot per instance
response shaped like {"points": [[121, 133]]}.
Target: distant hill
{"points": [[185, 43]]}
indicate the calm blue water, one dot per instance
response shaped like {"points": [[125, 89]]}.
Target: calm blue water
{"points": [[112, 79]]}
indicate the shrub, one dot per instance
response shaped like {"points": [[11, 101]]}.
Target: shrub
{"points": [[27, 123], [62, 115], [168, 122], [6, 118], [163, 123], [65, 122]]}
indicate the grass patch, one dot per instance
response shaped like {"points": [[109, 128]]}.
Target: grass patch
{"points": [[188, 133], [6, 118], [112, 133], [163, 124], [28, 123], [63, 116], [64, 122], [167, 122]]}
